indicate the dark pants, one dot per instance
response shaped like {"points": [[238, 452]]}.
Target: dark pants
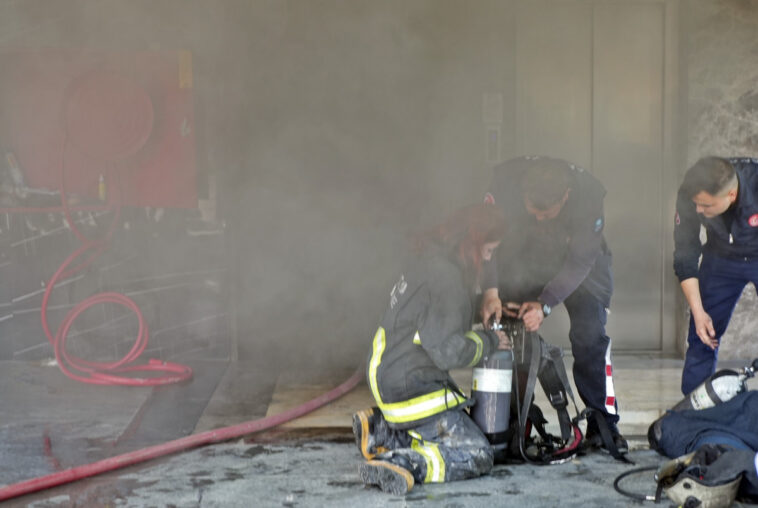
{"points": [[590, 346], [445, 448], [721, 283]]}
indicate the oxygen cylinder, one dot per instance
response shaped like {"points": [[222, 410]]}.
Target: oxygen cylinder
{"points": [[491, 389], [718, 388]]}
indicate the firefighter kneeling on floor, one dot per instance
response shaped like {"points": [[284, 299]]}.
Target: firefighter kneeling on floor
{"points": [[420, 433]]}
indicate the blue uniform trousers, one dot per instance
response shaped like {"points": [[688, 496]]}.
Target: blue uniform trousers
{"points": [[591, 348], [721, 283]]}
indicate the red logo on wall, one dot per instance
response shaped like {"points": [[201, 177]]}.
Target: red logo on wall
{"points": [[489, 199], [753, 220]]}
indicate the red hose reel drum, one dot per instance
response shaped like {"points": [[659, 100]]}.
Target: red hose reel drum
{"points": [[80, 113], [107, 116]]}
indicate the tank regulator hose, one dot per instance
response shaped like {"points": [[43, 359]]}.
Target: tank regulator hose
{"points": [[639, 497]]}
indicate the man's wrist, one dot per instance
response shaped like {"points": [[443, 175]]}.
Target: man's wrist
{"points": [[546, 309]]}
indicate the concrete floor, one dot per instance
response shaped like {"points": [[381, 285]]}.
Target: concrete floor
{"points": [[50, 423]]}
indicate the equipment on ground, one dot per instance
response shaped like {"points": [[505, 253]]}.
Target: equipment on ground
{"points": [[709, 477], [530, 359], [509, 425], [705, 478], [718, 388], [536, 359]]}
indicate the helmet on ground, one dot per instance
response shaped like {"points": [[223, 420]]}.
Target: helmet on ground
{"points": [[706, 478]]}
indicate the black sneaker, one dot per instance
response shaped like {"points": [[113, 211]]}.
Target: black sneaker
{"points": [[364, 423], [595, 440], [391, 478]]}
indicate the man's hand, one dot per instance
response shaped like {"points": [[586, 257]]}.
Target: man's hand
{"points": [[491, 305], [704, 329], [504, 340], [703, 322], [531, 314], [511, 309]]}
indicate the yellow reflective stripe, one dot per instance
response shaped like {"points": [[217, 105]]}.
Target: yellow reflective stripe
{"points": [[415, 435], [411, 409], [479, 345], [440, 473], [435, 465], [420, 407], [428, 459], [416, 338], [376, 358]]}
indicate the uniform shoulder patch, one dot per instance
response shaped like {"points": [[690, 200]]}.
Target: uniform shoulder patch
{"points": [[397, 290], [753, 220]]}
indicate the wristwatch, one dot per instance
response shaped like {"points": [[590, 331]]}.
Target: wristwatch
{"points": [[546, 309]]}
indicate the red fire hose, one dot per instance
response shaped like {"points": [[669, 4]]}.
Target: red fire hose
{"points": [[95, 372], [103, 373], [185, 443]]}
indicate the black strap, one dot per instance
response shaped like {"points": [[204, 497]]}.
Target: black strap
{"points": [[556, 385], [531, 380], [712, 393], [605, 435], [528, 412], [538, 422], [560, 369], [658, 492]]}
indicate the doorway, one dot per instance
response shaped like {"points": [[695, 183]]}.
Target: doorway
{"points": [[593, 81]]}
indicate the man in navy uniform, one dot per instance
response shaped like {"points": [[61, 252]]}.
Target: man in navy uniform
{"points": [[555, 252], [722, 195]]}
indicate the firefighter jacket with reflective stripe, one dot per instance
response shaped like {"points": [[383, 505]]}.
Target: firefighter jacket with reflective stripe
{"points": [[422, 335], [732, 235], [563, 253]]}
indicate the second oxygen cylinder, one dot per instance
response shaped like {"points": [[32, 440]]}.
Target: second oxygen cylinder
{"points": [[718, 388], [491, 388]]}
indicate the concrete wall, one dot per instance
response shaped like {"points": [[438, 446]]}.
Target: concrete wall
{"points": [[722, 101]]}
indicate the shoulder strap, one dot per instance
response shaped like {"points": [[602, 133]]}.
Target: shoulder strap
{"points": [[534, 364]]}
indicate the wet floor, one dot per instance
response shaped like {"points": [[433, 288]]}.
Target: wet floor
{"points": [[49, 423], [313, 472]]}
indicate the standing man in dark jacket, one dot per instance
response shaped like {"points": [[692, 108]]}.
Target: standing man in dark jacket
{"points": [[722, 195], [419, 432], [554, 252]]}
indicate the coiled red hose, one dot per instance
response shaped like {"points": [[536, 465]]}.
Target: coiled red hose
{"points": [[98, 372], [185, 443]]}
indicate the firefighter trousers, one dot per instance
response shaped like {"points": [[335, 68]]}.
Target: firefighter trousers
{"points": [[446, 447]]}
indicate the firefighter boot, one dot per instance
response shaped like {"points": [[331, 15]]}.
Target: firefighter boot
{"points": [[389, 475], [594, 439], [365, 423]]}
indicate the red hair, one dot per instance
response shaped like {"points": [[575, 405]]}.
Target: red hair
{"points": [[464, 233]]}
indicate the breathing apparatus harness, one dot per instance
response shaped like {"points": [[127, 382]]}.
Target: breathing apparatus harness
{"points": [[546, 449], [545, 362]]}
